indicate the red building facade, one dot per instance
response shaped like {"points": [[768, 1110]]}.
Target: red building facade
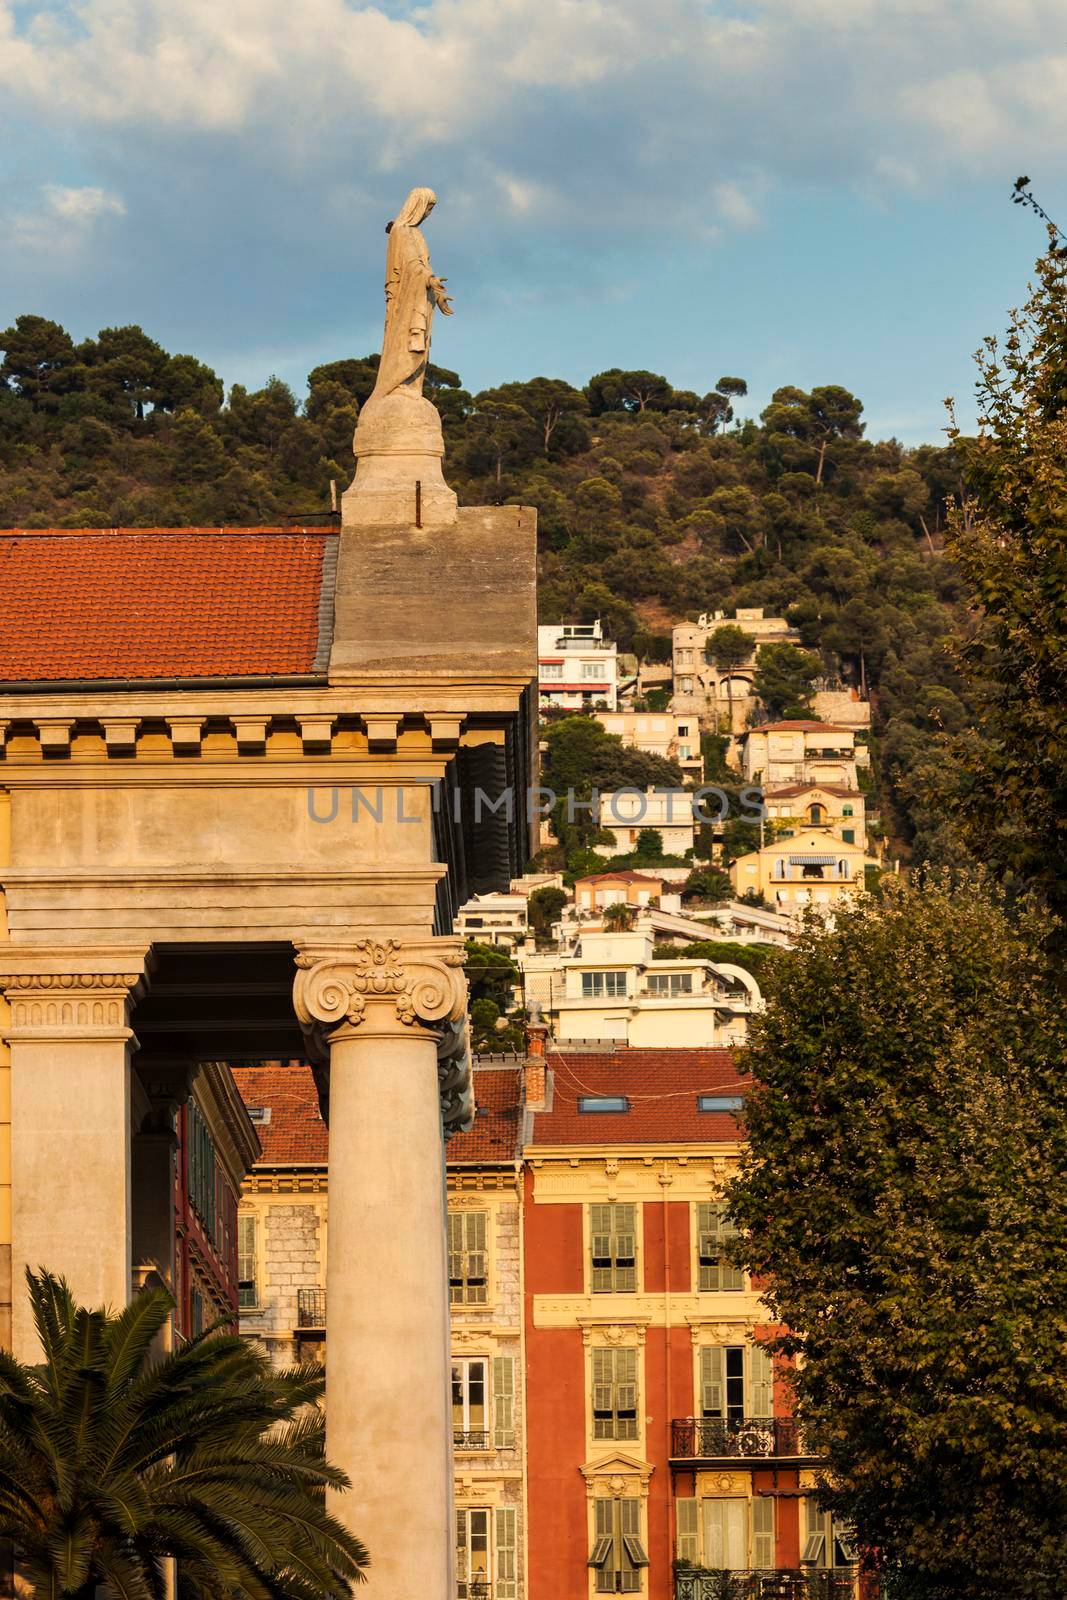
{"points": [[660, 1451]]}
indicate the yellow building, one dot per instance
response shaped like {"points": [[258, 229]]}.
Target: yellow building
{"points": [[809, 868], [833, 806]]}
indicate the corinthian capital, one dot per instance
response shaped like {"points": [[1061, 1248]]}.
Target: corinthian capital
{"points": [[418, 984]]}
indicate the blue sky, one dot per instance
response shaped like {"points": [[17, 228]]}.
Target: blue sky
{"points": [[793, 191]]}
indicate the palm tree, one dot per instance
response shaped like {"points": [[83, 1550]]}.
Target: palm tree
{"points": [[618, 917], [112, 1460]]}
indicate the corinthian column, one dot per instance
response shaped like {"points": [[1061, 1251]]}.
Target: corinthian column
{"points": [[387, 1021]]}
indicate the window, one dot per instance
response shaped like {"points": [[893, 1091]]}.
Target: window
{"points": [[507, 1571], [614, 1394], [260, 1115], [472, 1553], [618, 1554], [816, 814], [613, 1247], [738, 1535], [603, 985], [828, 1542], [736, 1382], [715, 1232], [683, 752], [670, 983], [683, 730], [719, 1102], [846, 811], [685, 685], [594, 669], [551, 670], [246, 1261], [603, 1102], [468, 1282], [842, 869], [469, 1409], [849, 835], [504, 1405], [203, 1175]]}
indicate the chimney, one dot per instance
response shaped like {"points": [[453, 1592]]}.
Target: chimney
{"points": [[535, 1067]]}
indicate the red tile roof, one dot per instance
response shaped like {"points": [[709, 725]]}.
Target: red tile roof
{"points": [[791, 790], [661, 1085], [495, 1135], [295, 1134], [124, 603]]}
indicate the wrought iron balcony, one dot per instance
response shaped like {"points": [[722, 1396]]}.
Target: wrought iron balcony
{"points": [[475, 1589], [470, 1438], [311, 1308], [726, 1438], [792, 1583]]}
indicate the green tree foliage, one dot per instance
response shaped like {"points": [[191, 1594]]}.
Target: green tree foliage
{"points": [[783, 679], [545, 908], [754, 958], [708, 886], [1003, 777], [112, 1459], [648, 512], [618, 917], [903, 1201]]}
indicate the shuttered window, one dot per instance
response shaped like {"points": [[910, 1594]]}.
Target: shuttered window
{"points": [[613, 1246], [246, 1260], [829, 1542], [715, 1232], [503, 1402], [472, 1554], [618, 1553], [468, 1282], [506, 1586], [614, 1394], [687, 1530], [760, 1400], [763, 1533]]}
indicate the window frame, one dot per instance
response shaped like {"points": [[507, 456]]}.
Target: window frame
{"points": [[247, 1282], [614, 1382], [618, 1555], [466, 1365], [714, 1276], [616, 1223], [461, 1284]]}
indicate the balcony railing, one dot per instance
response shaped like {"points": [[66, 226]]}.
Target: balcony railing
{"points": [[794, 1583], [311, 1308], [470, 1438], [475, 1589], [716, 1438]]}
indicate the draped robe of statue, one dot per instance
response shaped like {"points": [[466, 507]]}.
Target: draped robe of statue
{"points": [[398, 443], [409, 299]]}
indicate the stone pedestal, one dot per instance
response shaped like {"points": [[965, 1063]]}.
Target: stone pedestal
{"points": [[383, 1012], [399, 447], [70, 1044]]}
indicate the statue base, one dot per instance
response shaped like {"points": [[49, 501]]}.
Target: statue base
{"points": [[399, 447]]}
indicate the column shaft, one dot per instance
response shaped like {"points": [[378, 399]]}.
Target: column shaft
{"points": [[387, 1408]]}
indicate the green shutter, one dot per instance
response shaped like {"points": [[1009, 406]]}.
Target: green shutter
{"points": [[626, 1394], [461, 1546], [246, 1259], [711, 1370], [760, 1401], [624, 1254], [687, 1530], [763, 1533], [506, 1554], [732, 1277], [503, 1402], [603, 1556]]}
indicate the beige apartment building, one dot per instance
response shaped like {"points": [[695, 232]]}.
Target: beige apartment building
{"points": [[609, 987], [658, 733], [832, 806], [778, 755], [624, 813], [700, 689]]}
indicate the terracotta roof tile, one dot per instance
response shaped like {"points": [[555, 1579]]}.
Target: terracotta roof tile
{"points": [[797, 727], [159, 602], [624, 875], [662, 1087], [297, 1136]]}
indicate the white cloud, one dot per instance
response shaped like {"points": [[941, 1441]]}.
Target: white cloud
{"points": [[592, 113], [61, 217]]}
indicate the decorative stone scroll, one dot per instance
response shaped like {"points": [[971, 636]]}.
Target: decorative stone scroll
{"points": [[381, 985]]}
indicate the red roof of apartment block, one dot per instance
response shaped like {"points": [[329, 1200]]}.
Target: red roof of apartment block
{"points": [[293, 1133], [137, 603], [797, 727], [284, 1106], [661, 1087]]}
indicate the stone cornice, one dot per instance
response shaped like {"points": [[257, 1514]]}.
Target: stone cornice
{"points": [[61, 991]]}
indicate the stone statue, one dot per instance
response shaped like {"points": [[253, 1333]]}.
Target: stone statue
{"points": [[411, 293], [398, 442]]}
